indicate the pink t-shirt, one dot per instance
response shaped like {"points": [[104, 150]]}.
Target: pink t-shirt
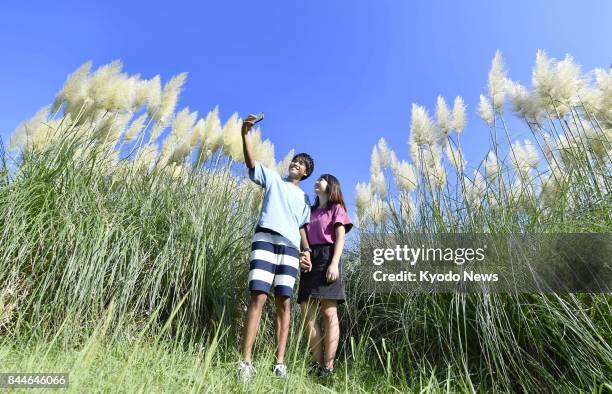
{"points": [[321, 228]]}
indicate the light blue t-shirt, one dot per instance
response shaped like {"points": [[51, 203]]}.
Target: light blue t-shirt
{"points": [[285, 207]]}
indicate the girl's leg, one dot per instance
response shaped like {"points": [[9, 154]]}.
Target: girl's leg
{"points": [[252, 323], [312, 330], [283, 316], [329, 311]]}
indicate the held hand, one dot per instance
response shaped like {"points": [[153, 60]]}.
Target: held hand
{"points": [[305, 263], [248, 123], [332, 272]]}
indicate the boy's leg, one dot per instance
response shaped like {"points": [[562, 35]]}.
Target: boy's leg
{"points": [[329, 311], [284, 280], [251, 325], [312, 330], [261, 275], [283, 316]]}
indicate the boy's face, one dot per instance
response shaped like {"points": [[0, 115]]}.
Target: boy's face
{"points": [[297, 169]]}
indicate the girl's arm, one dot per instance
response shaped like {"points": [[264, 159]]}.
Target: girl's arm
{"points": [[339, 245], [333, 271]]}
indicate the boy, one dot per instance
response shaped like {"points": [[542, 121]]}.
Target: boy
{"points": [[275, 248]]}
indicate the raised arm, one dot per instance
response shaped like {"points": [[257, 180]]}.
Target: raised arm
{"points": [[247, 149]]}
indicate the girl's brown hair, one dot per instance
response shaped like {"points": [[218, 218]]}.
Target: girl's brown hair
{"points": [[334, 193]]}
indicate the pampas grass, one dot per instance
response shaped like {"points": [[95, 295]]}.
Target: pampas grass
{"points": [[125, 253]]}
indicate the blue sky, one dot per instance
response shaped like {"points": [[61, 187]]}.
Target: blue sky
{"points": [[332, 76]]}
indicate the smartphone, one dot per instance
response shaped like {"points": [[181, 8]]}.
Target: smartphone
{"points": [[259, 118]]}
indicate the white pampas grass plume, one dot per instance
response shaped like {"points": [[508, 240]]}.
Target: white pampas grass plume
{"points": [[556, 83], [118, 126], [282, 167], [600, 143], [542, 76], [553, 184], [491, 166], [108, 128], [179, 143], [156, 131], [183, 124], [146, 156], [47, 132], [232, 138], [101, 82], [438, 177], [122, 92], [135, 128], [422, 128], [75, 89], [363, 196], [443, 116], [455, 157], [169, 99], [393, 159], [485, 110], [384, 153], [568, 79], [589, 101], [415, 150], [432, 166], [213, 134], [407, 207], [604, 87], [459, 117], [197, 132], [475, 188], [381, 158], [378, 183], [524, 157], [521, 192], [405, 176], [25, 131], [263, 151], [524, 104], [497, 78], [375, 161], [152, 92], [378, 211]]}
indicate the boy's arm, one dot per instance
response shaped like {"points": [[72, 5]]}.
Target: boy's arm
{"points": [[304, 240], [247, 149], [305, 263]]}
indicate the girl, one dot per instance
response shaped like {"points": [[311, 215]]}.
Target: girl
{"points": [[321, 279]]}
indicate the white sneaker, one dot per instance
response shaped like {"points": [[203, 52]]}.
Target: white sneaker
{"points": [[280, 370], [246, 372]]}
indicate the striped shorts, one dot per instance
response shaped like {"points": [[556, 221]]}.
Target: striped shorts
{"points": [[274, 262]]}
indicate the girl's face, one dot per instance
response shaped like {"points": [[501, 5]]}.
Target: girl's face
{"points": [[320, 186]]}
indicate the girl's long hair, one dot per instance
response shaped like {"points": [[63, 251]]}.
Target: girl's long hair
{"points": [[334, 193]]}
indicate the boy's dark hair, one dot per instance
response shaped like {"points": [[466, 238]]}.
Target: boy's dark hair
{"points": [[307, 161]]}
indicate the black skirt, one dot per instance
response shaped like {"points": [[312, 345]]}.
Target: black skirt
{"points": [[313, 284]]}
